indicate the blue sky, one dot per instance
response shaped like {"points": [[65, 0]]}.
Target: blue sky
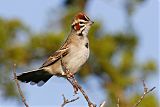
{"points": [[35, 15]]}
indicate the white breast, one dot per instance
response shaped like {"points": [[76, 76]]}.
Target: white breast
{"points": [[78, 55]]}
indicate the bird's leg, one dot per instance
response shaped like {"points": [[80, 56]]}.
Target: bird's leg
{"points": [[69, 76], [67, 73]]}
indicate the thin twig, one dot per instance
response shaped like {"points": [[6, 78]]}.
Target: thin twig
{"points": [[118, 102], [66, 101], [146, 91], [18, 86], [102, 104], [90, 104], [75, 84]]}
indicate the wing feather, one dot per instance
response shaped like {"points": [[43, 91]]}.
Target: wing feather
{"points": [[56, 56]]}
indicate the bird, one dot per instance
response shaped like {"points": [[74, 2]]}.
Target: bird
{"points": [[74, 52]]}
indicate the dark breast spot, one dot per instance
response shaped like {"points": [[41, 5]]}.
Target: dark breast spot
{"points": [[86, 45]]}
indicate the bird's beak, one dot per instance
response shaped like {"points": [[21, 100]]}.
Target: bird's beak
{"points": [[91, 22]]}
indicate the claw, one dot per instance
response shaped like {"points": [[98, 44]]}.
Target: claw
{"points": [[69, 75], [75, 89]]}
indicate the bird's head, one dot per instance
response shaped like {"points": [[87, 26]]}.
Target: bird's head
{"points": [[81, 24]]}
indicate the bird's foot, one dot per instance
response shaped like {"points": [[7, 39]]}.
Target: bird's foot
{"points": [[69, 75]]}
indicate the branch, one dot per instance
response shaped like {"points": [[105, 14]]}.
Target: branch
{"points": [[18, 86], [146, 91], [102, 104], [66, 101], [75, 84], [71, 78], [118, 102], [90, 104]]}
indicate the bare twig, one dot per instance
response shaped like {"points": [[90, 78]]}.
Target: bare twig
{"points": [[74, 86], [146, 91], [102, 104], [66, 101], [18, 86], [90, 104], [70, 77], [118, 102]]}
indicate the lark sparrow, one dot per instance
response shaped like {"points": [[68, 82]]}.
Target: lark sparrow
{"points": [[74, 53]]}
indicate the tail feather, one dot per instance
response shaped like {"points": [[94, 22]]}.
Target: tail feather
{"points": [[38, 77]]}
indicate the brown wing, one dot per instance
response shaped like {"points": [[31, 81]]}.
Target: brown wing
{"points": [[56, 56]]}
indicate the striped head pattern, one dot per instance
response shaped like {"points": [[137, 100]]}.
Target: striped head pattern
{"points": [[81, 24]]}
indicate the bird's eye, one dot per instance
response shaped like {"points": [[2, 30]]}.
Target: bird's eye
{"points": [[80, 22]]}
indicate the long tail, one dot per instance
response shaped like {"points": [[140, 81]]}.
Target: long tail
{"points": [[39, 77]]}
